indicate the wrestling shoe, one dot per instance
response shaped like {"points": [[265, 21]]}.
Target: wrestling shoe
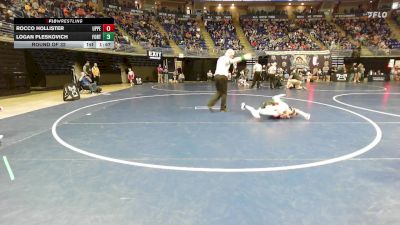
{"points": [[223, 110], [308, 116], [243, 106]]}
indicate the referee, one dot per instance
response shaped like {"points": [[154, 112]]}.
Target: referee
{"points": [[221, 77], [257, 75]]}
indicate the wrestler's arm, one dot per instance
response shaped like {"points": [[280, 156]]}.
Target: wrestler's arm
{"points": [[284, 115], [247, 56]]}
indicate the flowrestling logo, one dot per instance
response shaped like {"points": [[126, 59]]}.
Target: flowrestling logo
{"points": [[373, 15]]}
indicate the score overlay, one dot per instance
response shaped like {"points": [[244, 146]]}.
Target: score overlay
{"points": [[42, 33]]}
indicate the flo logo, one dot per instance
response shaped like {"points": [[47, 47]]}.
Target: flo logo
{"points": [[377, 15]]}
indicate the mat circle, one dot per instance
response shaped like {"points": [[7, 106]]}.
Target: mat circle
{"points": [[356, 153]]}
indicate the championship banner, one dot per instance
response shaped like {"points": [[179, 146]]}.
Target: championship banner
{"points": [[299, 60], [317, 16], [351, 15], [217, 18], [136, 12], [114, 7], [325, 52], [186, 17], [263, 17], [178, 16], [167, 14]]}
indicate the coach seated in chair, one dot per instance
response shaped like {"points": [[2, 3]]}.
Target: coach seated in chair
{"points": [[86, 83]]}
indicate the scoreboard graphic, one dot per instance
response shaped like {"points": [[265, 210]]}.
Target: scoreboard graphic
{"points": [[42, 33]]}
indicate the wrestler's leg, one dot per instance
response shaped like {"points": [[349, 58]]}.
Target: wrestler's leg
{"points": [[277, 98], [253, 111], [304, 114]]}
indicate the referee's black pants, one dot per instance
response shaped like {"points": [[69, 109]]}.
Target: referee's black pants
{"points": [[221, 83], [256, 79]]}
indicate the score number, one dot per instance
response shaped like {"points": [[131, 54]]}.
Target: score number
{"points": [[108, 32], [108, 27]]}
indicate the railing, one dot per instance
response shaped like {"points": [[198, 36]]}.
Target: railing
{"points": [[124, 48], [342, 52], [292, 52], [384, 52]]}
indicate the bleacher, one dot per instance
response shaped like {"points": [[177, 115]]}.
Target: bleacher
{"points": [[141, 28], [106, 63], [12, 69], [263, 34], [326, 33], [184, 31], [54, 62], [276, 35], [370, 32], [223, 33]]}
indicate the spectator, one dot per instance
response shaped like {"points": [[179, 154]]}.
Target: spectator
{"points": [[131, 76], [86, 69], [209, 75], [87, 84], [166, 78], [96, 74], [181, 78], [160, 74]]}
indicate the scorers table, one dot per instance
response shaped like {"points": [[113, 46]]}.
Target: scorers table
{"points": [[42, 33]]}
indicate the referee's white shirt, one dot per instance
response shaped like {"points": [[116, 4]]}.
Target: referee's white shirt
{"points": [[258, 67], [223, 65]]}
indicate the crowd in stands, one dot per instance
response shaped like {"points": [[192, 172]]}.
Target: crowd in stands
{"points": [[59, 8], [262, 35], [276, 35], [223, 33], [178, 11], [396, 16], [326, 33], [185, 32], [309, 11], [370, 32], [122, 43], [6, 13], [141, 28]]}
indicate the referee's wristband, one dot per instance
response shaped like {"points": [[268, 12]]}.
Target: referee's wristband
{"points": [[242, 57]]}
